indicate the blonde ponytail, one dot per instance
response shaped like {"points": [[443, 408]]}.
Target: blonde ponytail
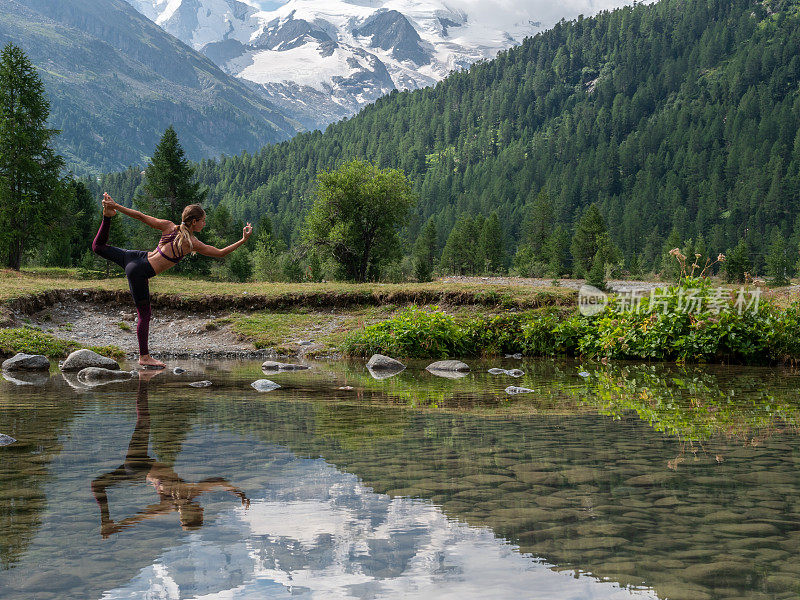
{"points": [[184, 235], [192, 213]]}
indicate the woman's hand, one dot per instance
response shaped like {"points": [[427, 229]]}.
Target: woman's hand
{"points": [[248, 229]]}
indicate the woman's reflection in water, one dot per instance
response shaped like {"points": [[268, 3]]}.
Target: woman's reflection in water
{"points": [[174, 493]]}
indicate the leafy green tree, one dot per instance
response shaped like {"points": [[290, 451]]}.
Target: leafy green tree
{"points": [[777, 261], [76, 226], [169, 185], [239, 266], [356, 216], [425, 252], [32, 191]]}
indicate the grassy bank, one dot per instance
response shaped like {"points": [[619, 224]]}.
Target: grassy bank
{"points": [[166, 287], [34, 341], [711, 327]]}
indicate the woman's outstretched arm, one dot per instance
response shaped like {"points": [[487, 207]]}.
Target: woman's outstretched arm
{"points": [[207, 250], [160, 224]]}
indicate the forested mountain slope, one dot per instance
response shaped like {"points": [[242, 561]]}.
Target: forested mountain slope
{"points": [[679, 118], [116, 81]]}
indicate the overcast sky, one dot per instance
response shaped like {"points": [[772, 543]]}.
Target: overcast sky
{"points": [[498, 12]]}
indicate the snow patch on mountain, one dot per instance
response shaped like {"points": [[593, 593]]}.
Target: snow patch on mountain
{"points": [[322, 61]]}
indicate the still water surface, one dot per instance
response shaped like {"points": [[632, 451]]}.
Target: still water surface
{"points": [[603, 483]]}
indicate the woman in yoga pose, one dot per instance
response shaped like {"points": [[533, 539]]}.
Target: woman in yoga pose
{"points": [[176, 242]]}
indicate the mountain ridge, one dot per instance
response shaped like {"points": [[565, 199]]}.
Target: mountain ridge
{"points": [[116, 81]]}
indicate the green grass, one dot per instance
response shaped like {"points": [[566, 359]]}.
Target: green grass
{"points": [[35, 341]]}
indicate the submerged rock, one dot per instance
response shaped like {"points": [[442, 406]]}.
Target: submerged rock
{"points": [[6, 440], [518, 356], [379, 362], [515, 372], [496, 371], [449, 365], [199, 384], [274, 366], [512, 389], [178, 371], [26, 362], [81, 359], [264, 385], [94, 375]]}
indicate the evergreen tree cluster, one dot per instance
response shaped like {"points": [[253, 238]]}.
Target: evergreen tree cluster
{"points": [[605, 140]]}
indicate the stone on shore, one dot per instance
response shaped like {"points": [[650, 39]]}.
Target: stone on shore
{"points": [[264, 385], [379, 362], [26, 362], [95, 375], [6, 440], [81, 359]]}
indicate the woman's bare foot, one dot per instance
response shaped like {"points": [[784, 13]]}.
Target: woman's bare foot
{"points": [[108, 211], [146, 360]]}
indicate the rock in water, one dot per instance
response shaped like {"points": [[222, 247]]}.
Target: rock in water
{"points": [[264, 385], [26, 362], [80, 359], [515, 372], [496, 371], [178, 371], [273, 366], [449, 365], [379, 362], [512, 389], [518, 356], [91, 375], [204, 383], [6, 440]]}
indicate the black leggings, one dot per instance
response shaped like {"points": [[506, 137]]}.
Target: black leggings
{"points": [[138, 270]]}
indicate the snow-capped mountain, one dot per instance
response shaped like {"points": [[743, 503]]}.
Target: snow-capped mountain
{"points": [[322, 61]]}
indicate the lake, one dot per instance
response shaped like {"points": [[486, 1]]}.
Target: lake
{"points": [[603, 482]]}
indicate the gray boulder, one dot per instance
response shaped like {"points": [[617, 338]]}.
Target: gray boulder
{"points": [[6, 440], [95, 375], [379, 362], [449, 365], [515, 372], [496, 371], [26, 362], [199, 384], [512, 390], [264, 385], [81, 359], [274, 366]]}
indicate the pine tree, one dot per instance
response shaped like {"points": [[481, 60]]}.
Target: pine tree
{"points": [[777, 261], [737, 263], [597, 274], [587, 239], [425, 252], [492, 247], [31, 188], [169, 185]]}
